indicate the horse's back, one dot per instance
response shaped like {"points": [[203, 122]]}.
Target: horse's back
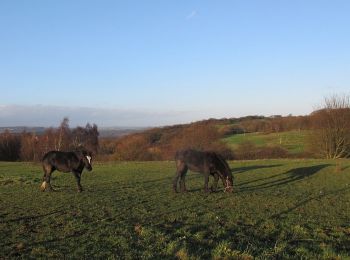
{"points": [[197, 161], [58, 155], [62, 161]]}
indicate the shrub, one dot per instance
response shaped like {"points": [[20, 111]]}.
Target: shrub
{"points": [[330, 136], [10, 146], [249, 151]]}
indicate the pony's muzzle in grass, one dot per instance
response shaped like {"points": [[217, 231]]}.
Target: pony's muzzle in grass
{"points": [[228, 186], [228, 189]]}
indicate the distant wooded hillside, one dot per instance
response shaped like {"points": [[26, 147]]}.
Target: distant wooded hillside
{"points": [[213, 134]]}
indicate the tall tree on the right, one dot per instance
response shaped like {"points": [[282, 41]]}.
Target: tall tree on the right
{"points": [[330, 136]]}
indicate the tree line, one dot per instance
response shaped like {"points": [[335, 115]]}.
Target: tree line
{"points": [[328, 136], [31, 146], [162, 143]]}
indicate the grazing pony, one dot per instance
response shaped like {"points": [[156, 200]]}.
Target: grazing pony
{"points": [[73, 162], [208, 163]]}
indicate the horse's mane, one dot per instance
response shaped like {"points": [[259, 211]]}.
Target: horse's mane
{"points": [[221, 159]]}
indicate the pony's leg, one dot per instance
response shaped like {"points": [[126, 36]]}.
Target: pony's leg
{"points": [[181, 169], [206, 181], [182, 182], [215, 183], [175, 181], [77, 176], [48, 169]]}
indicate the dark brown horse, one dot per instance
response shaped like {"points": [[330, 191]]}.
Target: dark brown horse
{"points": [[208, 163], [73, 162]]}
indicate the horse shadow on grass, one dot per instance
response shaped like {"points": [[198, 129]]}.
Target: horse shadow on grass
{"points": [[252, 168], [47, 243], [271, 181], [56, 212], [307, 200], [290, 176], [235, 171], [282, 214]]}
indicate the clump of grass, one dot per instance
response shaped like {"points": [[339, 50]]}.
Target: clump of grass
{"points": [[224, 251], [182, 254]]}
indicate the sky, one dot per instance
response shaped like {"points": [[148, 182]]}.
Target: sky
{"points": [[153, 63]]}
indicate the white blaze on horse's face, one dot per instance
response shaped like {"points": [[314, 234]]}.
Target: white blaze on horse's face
{"points": [[89, 159]]}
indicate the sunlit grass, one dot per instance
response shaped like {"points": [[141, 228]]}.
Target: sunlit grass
{"points": [[293, 141]]}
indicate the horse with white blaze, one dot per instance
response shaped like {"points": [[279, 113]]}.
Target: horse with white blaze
{"points": [[73, 162]]}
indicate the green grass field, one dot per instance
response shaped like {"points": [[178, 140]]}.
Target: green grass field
{"points": [[293, 141], [280, 209]]}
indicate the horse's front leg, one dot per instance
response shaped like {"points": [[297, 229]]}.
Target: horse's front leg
{"points": [[48, 169], [215, 184], [206, 182], [77, 176], [182, 182], [175, 181]]}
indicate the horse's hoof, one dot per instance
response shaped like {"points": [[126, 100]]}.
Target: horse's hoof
{"points": [[44, 186]]}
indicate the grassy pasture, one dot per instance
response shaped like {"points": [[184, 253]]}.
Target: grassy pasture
{"points": [[293, 141], [280, 209]]}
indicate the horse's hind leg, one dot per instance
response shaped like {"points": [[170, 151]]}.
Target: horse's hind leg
{"points": [[215, 183], [182, 181], [175, 181], [48, 169], [181, 170]]}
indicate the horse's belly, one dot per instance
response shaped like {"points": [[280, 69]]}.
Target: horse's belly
{"points": [[63, 169], [196, 168]]}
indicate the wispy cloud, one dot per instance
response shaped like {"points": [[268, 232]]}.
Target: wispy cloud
{"points": [[40, 115], [192, 15]]}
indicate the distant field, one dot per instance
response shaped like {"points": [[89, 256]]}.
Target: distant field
{"points": [[293, 141], [280, 209]]}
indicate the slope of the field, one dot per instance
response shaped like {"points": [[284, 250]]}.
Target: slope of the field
{"points": [[292, 141], [280, 209]]}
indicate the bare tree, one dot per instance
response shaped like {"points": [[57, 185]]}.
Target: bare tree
{"points": [[330, 137], [10, 146], [64, 135]]}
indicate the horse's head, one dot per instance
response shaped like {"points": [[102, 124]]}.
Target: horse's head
{"points": [[227, 178], [228, 184], [225, 173], [86, 157]]}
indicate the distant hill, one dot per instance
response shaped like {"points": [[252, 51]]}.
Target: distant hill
{"points": [[104, 131], [19, 129]]}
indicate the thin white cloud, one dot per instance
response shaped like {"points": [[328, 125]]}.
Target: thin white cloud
{"points": [[42, 115], [192, 15]]}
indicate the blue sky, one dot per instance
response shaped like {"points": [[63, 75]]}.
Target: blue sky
{"points": [[144, 63]]}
